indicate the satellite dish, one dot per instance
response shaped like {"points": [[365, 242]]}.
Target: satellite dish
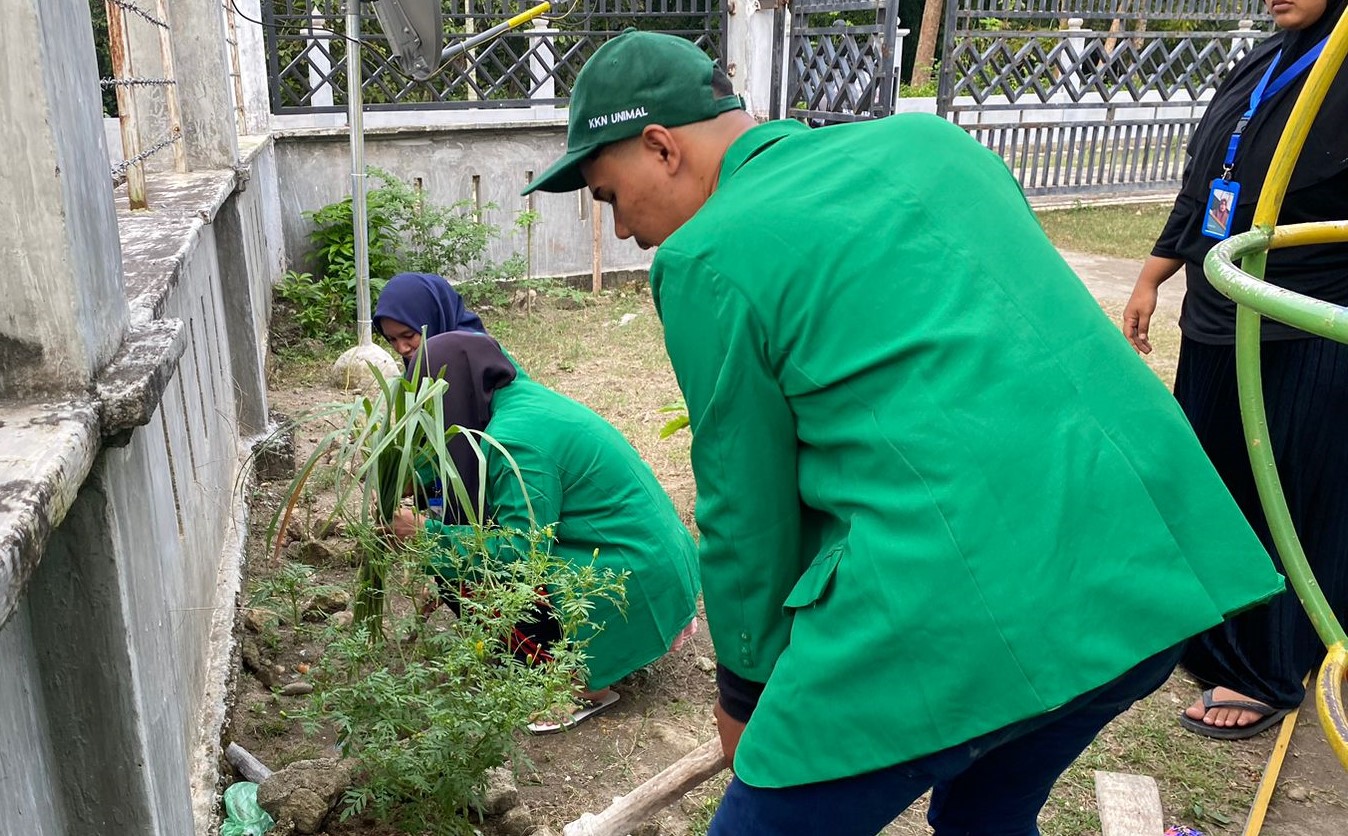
{"points": [[414, 30]]}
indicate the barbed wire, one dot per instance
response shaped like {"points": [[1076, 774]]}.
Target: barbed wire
{"points": [[133, 82], [137, 10], [119, 170]]}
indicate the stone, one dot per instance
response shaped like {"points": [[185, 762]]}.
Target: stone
{"points": [[331, 600], [297, 689], [517, 821], [352, 369], [253, 660], [315, 553], [305, 791], [255, 619], [329, 528], [343, 619], [274, 456], [501, 794], [1298, 794], [293, 552], [627, 319], [705, 664]]}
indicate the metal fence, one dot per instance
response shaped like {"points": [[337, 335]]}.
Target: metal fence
{"points": [[125, 79], [306, 51], [841, 60], [1083, 96]]}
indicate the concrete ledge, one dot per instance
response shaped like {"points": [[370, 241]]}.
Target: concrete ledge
{"points": [[46, 451], [130, 387], [158, 241]]}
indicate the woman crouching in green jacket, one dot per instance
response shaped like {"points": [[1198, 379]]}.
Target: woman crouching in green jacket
{"points": [[584, 478]]}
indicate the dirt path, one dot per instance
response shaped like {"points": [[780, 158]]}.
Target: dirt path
{"points": [[1312, 791]]}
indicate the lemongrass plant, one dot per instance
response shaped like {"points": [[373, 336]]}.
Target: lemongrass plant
{"points": [[427, 713]]}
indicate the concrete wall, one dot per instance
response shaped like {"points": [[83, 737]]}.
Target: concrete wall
{"points": [[114, 661], [131, 375], [314, 169]]}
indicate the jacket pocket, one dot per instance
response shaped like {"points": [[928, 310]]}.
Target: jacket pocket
{"points": [[815, 582]]}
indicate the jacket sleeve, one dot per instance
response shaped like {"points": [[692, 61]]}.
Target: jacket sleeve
{"points": [[744, 461]]}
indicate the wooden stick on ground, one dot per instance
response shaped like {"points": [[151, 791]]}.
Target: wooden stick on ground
{"points": [[249, 767], [628, 811]]}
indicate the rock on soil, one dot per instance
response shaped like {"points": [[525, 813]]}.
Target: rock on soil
{"points": [[502, 794], [251, 652], [305, 791], [518, 821], [328, 602]]}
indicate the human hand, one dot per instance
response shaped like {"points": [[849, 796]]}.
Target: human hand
{"points": [[1137, 316], [730, 731], [406, 523]]}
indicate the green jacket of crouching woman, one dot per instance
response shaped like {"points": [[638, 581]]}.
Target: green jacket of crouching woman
{"points": [[606, 506]]}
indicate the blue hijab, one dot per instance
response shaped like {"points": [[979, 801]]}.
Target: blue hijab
{"points": [[425, 300]]}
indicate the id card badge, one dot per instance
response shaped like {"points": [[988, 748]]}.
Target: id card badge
{"points": [[435, 503], [1220, 212]]}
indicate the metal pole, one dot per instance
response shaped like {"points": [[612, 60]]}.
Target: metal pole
{"points": [[358, 219]]}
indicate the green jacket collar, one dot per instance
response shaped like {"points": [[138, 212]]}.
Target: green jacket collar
{"points": [[754, 140]]}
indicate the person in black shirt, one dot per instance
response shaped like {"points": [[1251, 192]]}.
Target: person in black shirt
{"points": [[1255, 661]]}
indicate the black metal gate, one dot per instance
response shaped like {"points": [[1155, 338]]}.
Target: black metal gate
{"points": [[306, 52], [840, 63], [1089, 96]]}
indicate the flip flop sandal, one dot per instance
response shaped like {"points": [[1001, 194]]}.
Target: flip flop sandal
{"points": [[586, 710], [1268, 717]]}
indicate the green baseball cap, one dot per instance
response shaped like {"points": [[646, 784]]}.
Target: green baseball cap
{"points": [[634, 80]]}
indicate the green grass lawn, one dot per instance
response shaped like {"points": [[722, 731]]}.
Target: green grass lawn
{"points": [[1121, 231]]}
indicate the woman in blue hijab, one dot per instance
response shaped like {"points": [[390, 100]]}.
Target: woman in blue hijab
{"points": [[411, 302]]}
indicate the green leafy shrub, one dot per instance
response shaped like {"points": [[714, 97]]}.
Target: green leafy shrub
{"points": [[407, 234], [429, 710], [426, 704]]}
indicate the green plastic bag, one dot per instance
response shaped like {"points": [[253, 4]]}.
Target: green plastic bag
{"points": [[243, 816]]}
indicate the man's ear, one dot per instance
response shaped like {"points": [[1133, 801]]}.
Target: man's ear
{"points": [[661, 142]]}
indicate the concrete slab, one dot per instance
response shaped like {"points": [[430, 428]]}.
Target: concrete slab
{"points": [[46, 451]]}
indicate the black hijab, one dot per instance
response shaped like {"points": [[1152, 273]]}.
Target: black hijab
{"points": [[1326, 151], [475, 367]]}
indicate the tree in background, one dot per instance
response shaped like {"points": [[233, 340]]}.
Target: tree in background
{"points": [[925, 51]]}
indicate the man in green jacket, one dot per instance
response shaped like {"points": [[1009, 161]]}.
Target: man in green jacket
{"points": [[951, 525]]}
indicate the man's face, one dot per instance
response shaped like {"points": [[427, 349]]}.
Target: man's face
{"points": [[636, 180]]}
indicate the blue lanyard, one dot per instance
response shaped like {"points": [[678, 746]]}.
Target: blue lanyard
{"points": [[1264, 91]]}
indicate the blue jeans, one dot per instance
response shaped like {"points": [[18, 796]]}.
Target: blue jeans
{"points": [[993, 785]]}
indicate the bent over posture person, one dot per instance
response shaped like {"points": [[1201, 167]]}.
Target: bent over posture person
{"points": [[1255, 663], [951, 525], [582, 475]]}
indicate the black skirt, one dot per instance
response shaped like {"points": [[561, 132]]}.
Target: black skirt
{"points": [[1265, 652]]}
